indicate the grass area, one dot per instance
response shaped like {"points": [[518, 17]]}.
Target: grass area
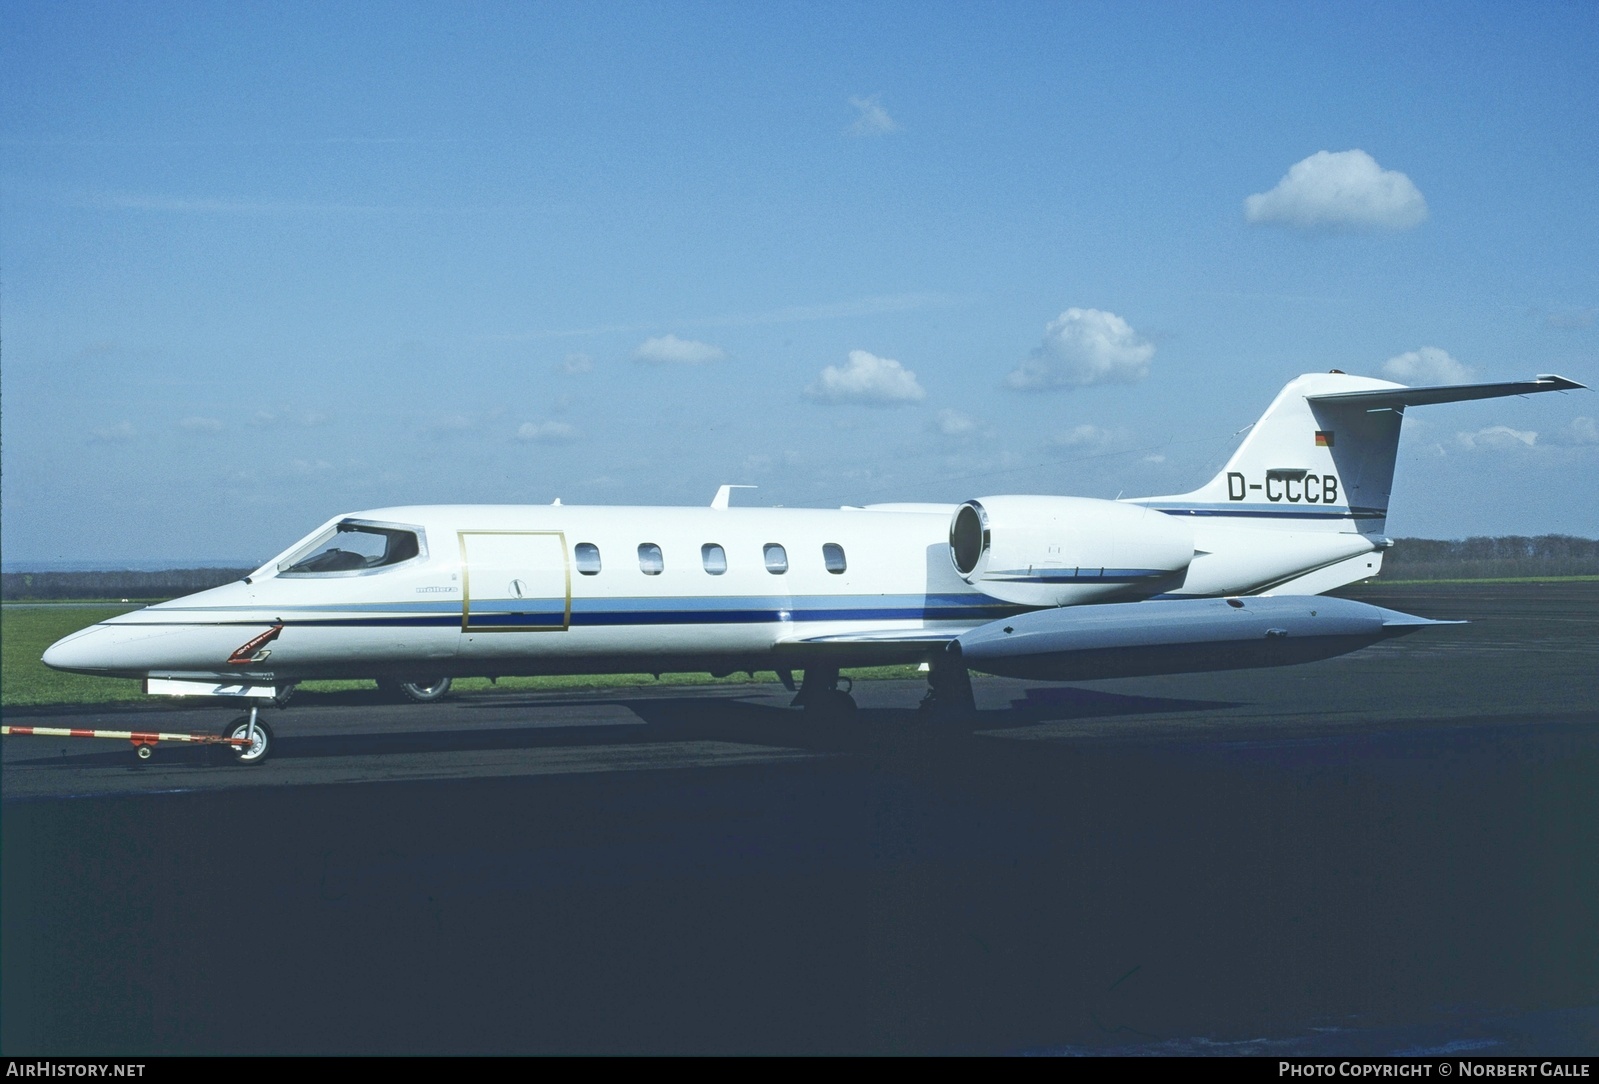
{"points": [[25, 631], [35, 603]]}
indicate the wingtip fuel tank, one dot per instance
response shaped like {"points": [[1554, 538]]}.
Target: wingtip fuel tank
{"points": [[1173, 636]]}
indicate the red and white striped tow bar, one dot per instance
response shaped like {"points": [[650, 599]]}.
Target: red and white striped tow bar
{"points": [[247, 736]]}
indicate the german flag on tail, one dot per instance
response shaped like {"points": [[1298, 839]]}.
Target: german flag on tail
{"points": [[1324, 438]]}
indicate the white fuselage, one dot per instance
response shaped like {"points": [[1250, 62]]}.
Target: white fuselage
{"points": [[496, 590]]}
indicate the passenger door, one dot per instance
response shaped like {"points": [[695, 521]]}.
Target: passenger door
{"points": [[515, 581]]}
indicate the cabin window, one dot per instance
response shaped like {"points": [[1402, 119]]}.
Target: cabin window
{"points": [[833, 557], [714, 557], [588, 558], [776, 559], [353, 546], [650, 561]]}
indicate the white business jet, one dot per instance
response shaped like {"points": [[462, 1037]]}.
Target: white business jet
{"points": [[1056, 588]]}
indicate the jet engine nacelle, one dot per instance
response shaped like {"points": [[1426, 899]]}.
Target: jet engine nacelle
{"points": [[1058, 551]]}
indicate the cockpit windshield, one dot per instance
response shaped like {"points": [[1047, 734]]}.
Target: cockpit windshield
{"points": [[352, 546]]}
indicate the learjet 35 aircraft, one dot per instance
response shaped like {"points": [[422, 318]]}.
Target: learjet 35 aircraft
{"points": [[1039, 587]]}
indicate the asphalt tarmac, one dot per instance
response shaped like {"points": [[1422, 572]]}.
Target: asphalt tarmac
{"points": [[1397, 850]]}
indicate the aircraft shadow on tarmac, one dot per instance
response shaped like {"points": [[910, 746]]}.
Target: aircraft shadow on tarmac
{"points": [[735, 719], [697, 718]]}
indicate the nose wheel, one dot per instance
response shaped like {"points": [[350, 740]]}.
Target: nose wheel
{"points": [[253, 738]]}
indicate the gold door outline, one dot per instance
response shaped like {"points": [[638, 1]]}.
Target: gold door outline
{"points": [[466, 586]]}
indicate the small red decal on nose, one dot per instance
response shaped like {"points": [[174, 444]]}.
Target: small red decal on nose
{"points": [[246, 652]]}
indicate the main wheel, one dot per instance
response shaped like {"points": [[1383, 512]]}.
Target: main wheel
{"points": [[831, 704], [418, 692], [258, 750]]}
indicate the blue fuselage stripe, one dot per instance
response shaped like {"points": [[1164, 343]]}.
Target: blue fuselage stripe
{"points": [[612, 613]]}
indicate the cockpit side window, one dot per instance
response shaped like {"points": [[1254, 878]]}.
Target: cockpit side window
{"points": [[353, 546]]}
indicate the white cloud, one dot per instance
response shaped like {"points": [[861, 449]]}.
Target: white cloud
{"points": [[872, 118], [546, 432], [1579, 432], [577, 363], [115, 434], [954, 424], [1340, 190], [670, 350], [1428, 365], [867, 379], [1156, 458], [1498, 436], [1083, 347], [201, 425], [1081, 438]]}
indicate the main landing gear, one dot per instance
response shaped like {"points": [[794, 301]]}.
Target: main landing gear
{"points": [[819, 693], [425, 691], [949, 687]]}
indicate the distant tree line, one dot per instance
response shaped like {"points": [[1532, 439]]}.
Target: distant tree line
{"points": [[43, 586], [1491, 558], [1409, 559]]}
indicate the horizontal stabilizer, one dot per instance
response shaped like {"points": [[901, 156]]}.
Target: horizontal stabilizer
{"points": [[1390, 398]]}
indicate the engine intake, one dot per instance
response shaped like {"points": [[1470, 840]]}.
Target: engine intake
{"points": [[1058, 551]]}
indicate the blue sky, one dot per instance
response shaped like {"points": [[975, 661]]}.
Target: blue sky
{"points": [[265, 264]]}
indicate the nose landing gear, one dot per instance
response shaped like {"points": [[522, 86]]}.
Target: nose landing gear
{"points": [[249, 738]]}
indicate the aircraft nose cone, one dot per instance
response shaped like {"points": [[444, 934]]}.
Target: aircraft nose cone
{"points": [[85, 651]]}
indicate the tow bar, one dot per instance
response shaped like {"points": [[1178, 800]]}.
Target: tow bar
{"points": [[249, 738]]}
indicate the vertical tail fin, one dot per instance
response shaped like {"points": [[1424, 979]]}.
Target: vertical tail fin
{"points": [[1306, 465], [1322, 456]]}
